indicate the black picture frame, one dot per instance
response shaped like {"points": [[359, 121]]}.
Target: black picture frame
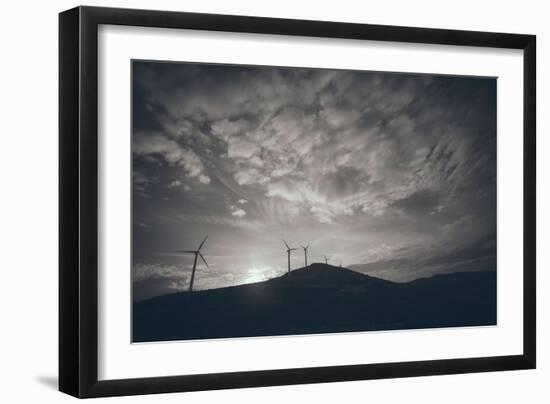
{"points": [[78, 201]]}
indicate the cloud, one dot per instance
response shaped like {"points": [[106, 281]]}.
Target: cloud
{"points": [[322, 213], [178, 183], [155, 144], [420, 202], [248, 224], [238, 213], [225, 128], [287, 190], [242, 201], [419, 261], [250, 176], [241, 148], [141, 183], [146, 271]]}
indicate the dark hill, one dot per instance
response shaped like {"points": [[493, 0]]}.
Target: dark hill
{"points": [[328, 276], [318, 299]]}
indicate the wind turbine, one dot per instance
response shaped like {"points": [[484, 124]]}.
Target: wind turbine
{"points": [[288, 250], [197, 253], [326, 260], [305, 253]]}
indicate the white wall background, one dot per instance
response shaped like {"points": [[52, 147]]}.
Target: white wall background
{"points": [[28, 206]]}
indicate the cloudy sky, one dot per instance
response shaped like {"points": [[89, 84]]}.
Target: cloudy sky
{"points": [[389, 174]]}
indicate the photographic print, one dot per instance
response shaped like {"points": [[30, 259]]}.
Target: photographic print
{"points": [[271, 201]]}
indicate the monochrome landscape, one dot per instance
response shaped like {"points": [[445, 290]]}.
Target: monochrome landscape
{"points": [[282, 200]]}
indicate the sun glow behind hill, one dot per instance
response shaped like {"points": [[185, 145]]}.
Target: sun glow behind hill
{"points": [[257, 274]]}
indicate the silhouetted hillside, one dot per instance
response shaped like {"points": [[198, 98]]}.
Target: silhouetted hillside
{"points": [[318, 299]]}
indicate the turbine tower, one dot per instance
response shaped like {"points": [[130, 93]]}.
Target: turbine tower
{"points": [[305, 254], [326, 260], [288, 250], [197, 253]]}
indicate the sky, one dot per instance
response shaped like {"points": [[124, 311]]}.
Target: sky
{"points": [[389, 174]]}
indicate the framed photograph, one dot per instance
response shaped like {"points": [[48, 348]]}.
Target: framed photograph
{"points": [[251, 201]]}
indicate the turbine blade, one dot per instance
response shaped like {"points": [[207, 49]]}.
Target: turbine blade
{"points": [[203, 241], [292, 249], [286, 244], [204, 260]]}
